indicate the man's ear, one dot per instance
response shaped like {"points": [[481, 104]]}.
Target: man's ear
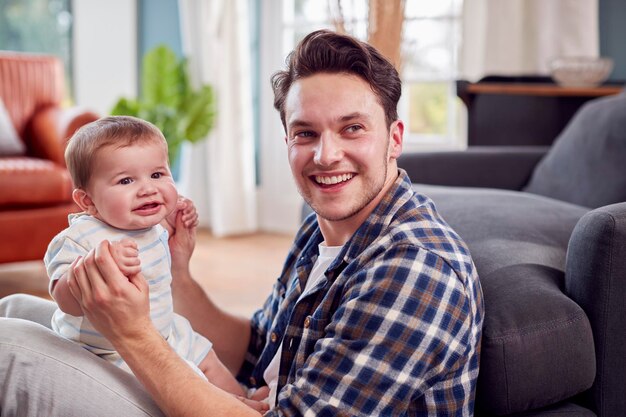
{"points": [[396, 135], [82, 199]]}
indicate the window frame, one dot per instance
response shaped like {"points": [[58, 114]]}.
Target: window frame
{"points": [[455, 136]]}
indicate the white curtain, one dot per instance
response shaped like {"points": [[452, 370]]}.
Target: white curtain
{"points": [[218, 174], [520, 37]]}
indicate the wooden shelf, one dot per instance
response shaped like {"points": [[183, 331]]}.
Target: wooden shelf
{"points": [[523, 111], [547, 90]]}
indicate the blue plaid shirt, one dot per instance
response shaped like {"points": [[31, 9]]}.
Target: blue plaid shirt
{"points": [[392, 330]]}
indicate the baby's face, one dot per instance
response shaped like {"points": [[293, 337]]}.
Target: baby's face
{"points": [[132, 187]]}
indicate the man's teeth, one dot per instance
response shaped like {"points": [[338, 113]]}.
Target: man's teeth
{"points": [[332, 180]]}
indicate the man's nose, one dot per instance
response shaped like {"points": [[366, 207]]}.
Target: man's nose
{"points": [[328, 150]]}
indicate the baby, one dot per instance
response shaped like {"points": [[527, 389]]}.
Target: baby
{"points": [[119, 166]]}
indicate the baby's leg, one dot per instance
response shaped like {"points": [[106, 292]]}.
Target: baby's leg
{"points": [[219, 375]]}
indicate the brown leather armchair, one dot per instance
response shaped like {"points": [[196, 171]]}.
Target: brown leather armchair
{"points": [[35, 188]]}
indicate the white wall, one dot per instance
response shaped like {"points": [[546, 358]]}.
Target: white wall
{"points": [[105, 52]]}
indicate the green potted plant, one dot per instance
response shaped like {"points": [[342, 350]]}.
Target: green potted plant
{"points": [[168, 101]]}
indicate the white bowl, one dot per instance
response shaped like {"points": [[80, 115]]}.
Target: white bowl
{"points": [[580, 71]]}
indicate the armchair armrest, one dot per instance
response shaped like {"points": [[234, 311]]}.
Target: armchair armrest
{"points": [[51, 127], [508, 167], [595, 278]]}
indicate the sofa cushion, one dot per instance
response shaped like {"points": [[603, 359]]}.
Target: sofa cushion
{"points": [[537, 346], [31, 181], [589, 152]]}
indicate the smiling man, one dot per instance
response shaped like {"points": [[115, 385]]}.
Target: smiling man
{"points": [[342, 151], [378, 309]]}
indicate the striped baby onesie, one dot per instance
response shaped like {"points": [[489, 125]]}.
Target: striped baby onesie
{"points": [[85, 233]]}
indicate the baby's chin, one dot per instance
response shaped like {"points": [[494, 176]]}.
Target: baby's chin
{"points": [[137, 225]]}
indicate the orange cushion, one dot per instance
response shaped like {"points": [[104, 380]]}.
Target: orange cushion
{"points": [[32, 181]]}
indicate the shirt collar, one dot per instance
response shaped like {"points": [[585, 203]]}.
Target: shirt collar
{"points": [[378, 220], [375, 224]]}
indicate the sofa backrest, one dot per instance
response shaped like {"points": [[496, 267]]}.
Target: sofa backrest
{"points": [[585, 165], [29, 82]]}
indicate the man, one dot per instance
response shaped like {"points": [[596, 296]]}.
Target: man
{"points": [[378, 310]]}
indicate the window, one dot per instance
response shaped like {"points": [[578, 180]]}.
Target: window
{"points": [[431, 39], [41, 26]]}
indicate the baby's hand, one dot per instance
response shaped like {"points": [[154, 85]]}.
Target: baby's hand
{"points": [[126, 255], [190, 214], [187, 210], [182, 233]]}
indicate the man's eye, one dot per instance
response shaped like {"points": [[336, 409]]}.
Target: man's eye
{"points": [[304, 134], [156, 175], [125, 181], [353, 128]]}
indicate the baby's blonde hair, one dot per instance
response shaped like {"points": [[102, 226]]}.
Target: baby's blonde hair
{"points": [[119, 131]]}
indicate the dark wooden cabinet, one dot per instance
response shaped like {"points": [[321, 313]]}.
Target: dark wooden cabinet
{"points": [[522, 111]]}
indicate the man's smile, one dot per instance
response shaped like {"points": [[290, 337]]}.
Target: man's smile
{"points": [[332, 179]]}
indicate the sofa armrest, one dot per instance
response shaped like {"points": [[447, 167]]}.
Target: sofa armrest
{"points": [[595, 278], [508, 167], [51, 127]]}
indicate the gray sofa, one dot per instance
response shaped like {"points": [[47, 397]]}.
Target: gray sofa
{"points": [[547, 230]]}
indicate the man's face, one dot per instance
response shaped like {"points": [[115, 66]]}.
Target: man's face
{"points": [[341, 153]]}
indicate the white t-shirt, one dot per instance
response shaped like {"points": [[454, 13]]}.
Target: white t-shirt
{"points": [[327, 255]]}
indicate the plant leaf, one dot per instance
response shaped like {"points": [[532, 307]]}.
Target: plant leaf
{"points": [[169, 101], [126, 107], [160, 77], [200, 114], [184, 87]]}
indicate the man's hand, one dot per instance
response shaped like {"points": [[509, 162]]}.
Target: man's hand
{"points": [[258, 399], [117, 306], [182, 234], [126, 256], [257, 404]]}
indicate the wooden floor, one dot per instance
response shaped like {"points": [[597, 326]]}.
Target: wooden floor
{"points": [[237, 272]]}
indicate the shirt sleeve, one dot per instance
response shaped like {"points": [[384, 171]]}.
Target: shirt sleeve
{"points": [[61, 252], [401, 327]]}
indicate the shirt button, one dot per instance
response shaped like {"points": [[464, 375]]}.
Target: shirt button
{"points": [[252, 381], [307, 323], [273, 337]]}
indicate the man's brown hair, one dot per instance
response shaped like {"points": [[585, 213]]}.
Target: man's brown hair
{"points": [[324, 51]]}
